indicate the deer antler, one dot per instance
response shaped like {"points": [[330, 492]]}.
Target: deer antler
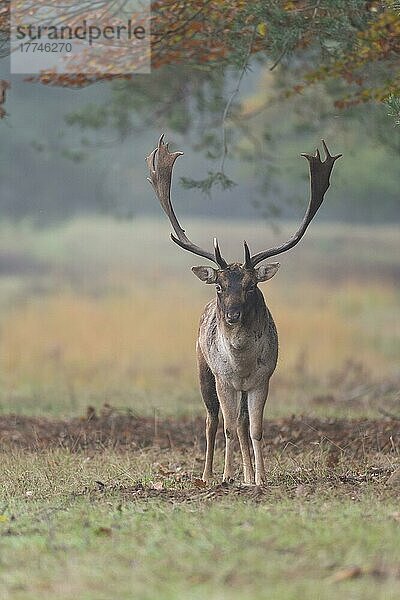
{"points": [[161, 163], [320, 172]]}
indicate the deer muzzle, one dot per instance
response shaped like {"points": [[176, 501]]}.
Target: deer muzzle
{"points": [[233, 315]]}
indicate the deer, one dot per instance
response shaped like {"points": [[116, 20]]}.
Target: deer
{"points": [[237, 342]]}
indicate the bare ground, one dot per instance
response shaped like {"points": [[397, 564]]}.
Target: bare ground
{"points": [[355, 452], [120, 430]]}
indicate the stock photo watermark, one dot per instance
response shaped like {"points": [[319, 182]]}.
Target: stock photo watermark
{"points": [[65, 37]]}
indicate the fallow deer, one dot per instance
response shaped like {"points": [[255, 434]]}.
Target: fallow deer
{"points": [[237, 344]]}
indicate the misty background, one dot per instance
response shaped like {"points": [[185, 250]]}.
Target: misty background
{"points": [[51, 170], [97, 305]]}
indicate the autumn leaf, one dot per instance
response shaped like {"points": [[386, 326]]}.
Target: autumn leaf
{"points": [[199, 483], [158, 485], [104, 531], [262, 29], [347, 573]]}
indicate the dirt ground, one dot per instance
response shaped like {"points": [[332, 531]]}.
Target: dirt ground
{"points": [[121, 430], [343, 456]]}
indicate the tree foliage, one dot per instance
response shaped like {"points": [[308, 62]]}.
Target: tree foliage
{"points": [[356, 40], [200, 50]]}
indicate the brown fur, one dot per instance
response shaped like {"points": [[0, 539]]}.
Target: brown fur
{"points": [[236, 361]]}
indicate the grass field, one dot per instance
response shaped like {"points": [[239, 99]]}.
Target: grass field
{"points": [[106, 502], [61, 539], [99, 311]]}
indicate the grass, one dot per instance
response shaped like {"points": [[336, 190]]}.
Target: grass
{"points": [[97, 311], [100, 312], [64, 536]]}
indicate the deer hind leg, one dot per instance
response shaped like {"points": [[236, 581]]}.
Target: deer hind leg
{"points": [[209, 394], [244, 439], [256, 403]]}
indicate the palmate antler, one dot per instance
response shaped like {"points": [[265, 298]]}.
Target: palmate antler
{"points": [[320, 172], [161, 163]]}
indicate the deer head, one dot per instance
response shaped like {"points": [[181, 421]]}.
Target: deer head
{"points": [[236, 283], [236, 288]]}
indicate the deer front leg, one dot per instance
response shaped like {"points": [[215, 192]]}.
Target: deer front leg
{"points": [[244, 439], [256, 403], [209, 393], [211, 431], [228, 398]]}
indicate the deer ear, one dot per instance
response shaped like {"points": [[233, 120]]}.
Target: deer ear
{"points": [[206, 274], [266, 271]]}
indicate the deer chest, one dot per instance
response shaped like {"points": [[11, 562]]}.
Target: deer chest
{"points": [[245, 360]]}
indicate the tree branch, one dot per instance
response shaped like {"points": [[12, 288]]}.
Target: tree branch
{"points": [[231, 99]]}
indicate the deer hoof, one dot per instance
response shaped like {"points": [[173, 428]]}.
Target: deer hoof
{"points": [[249, 478], [228, 480], [261, 480]]}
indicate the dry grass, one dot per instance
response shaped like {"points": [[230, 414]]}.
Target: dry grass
{"points": [[88, 329], [81, 344], [101, 312]]}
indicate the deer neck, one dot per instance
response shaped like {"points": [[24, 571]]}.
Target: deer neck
{"points": [[243, 335]]}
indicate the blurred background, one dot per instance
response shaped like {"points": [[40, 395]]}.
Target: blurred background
{"points": [[98, 306]]}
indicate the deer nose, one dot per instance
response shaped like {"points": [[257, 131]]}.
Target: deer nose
{"points": [[233, 315]]}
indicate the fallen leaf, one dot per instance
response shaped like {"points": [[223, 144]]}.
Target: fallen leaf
{"points": [[158, 485], [262, 29], [164, 471], [106, 531], [199, 483], [347, 573]]}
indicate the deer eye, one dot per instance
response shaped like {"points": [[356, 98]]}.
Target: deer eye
{"points": [[218, 288]]}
